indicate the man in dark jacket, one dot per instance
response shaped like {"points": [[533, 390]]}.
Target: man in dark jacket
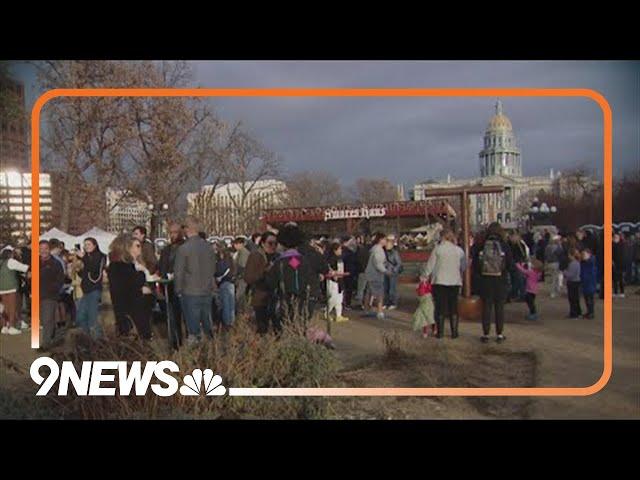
{"points": [[320, 268], [166, 266], [362, 255], [291, 278], [350, 260], [51, 281]]}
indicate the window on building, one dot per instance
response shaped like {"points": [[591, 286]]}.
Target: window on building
{"points": [[499, 217]]}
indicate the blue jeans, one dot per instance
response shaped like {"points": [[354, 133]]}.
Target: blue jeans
{"points": [[196, 310], [87, 313], [390, 290], [227, 295]]}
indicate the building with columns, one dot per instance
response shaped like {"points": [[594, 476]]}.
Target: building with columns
{"points": [[500, 163]]}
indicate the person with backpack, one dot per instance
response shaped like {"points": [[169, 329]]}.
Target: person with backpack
{"points": [[495, 262], [290, 278]]}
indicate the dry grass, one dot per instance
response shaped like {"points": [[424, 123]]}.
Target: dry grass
{"points": [[241, 357]]}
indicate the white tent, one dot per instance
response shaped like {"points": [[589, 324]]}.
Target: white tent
{"points": [[69, 240], [103, 238]]}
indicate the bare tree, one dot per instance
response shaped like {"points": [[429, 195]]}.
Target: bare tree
{"points": [[10, 108], [176, 143], [313, 188], [626, 198], [83, 137], [247, 168], [576, 182], [373, 190]]}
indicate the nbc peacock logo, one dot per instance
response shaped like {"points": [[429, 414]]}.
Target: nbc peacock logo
{"points": [[199, 380]]}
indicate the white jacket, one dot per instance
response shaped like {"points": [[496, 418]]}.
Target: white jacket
{"points": [[446, 265]]}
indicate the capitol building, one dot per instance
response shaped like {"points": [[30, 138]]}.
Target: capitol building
{"points": [[500, 165]]}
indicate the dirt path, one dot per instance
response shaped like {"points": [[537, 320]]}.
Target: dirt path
{"points": [[561, 352], [553, 351]]}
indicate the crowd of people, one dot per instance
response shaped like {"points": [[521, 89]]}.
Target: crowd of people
{"points": [[201, 287]]}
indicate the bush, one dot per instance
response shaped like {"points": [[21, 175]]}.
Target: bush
{"points": [[240, 356]]}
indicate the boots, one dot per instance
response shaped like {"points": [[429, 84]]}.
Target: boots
{"points": [[454, 326]]}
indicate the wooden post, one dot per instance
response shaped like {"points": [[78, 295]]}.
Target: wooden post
{"points": [[465, 239]]}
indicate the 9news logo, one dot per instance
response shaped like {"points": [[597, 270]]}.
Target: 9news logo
{"points": [[93, 375]]}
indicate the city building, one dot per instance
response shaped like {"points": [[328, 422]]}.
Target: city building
{"points": [[500, 164], [235, 208], [16, 202], [125, 212], [13, 128]]}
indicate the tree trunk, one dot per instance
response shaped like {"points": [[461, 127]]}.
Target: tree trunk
{"points": [[65, 209]]}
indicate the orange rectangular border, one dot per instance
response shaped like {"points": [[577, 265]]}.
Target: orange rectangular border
{"points": [[355, 92]]}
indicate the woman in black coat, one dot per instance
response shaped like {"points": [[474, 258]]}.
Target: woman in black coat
{"points": [[127, 287]]}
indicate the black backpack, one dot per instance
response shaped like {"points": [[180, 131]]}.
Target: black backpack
{"points": [[492, 258], [294, 276]]}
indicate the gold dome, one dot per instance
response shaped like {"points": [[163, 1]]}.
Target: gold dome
{"points": [[499, 122]]}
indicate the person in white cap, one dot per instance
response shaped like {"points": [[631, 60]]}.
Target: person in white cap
{"points": [[9, 269]]}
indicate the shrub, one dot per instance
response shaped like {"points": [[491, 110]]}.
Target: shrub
{"points": [[240, 356]]}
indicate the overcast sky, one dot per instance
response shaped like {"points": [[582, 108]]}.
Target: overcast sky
{"points": [[412, 139]]}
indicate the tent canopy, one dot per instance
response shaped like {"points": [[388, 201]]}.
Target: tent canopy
{"points": [[69, 240]]}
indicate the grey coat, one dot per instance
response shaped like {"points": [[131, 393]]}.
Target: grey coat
{"points": [[194, 268]]}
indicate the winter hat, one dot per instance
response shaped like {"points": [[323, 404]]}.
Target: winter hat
{"points": [[290, 236]]}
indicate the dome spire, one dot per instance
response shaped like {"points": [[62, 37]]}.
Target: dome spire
{"points": [[499, 107]]}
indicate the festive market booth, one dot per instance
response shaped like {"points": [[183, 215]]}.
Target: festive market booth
{"points": [[390, 217], [415, 225]]}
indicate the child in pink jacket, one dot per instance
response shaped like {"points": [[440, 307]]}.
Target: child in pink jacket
{"points": [[532, 277]]}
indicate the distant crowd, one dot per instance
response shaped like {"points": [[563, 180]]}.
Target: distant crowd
{"points": [[201, 288]]}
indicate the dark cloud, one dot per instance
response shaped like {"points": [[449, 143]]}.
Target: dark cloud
{"points": [[410, 139], [407, 140]]}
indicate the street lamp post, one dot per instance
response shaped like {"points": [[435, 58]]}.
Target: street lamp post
{"points": [[160, 212], [541, 213]]}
